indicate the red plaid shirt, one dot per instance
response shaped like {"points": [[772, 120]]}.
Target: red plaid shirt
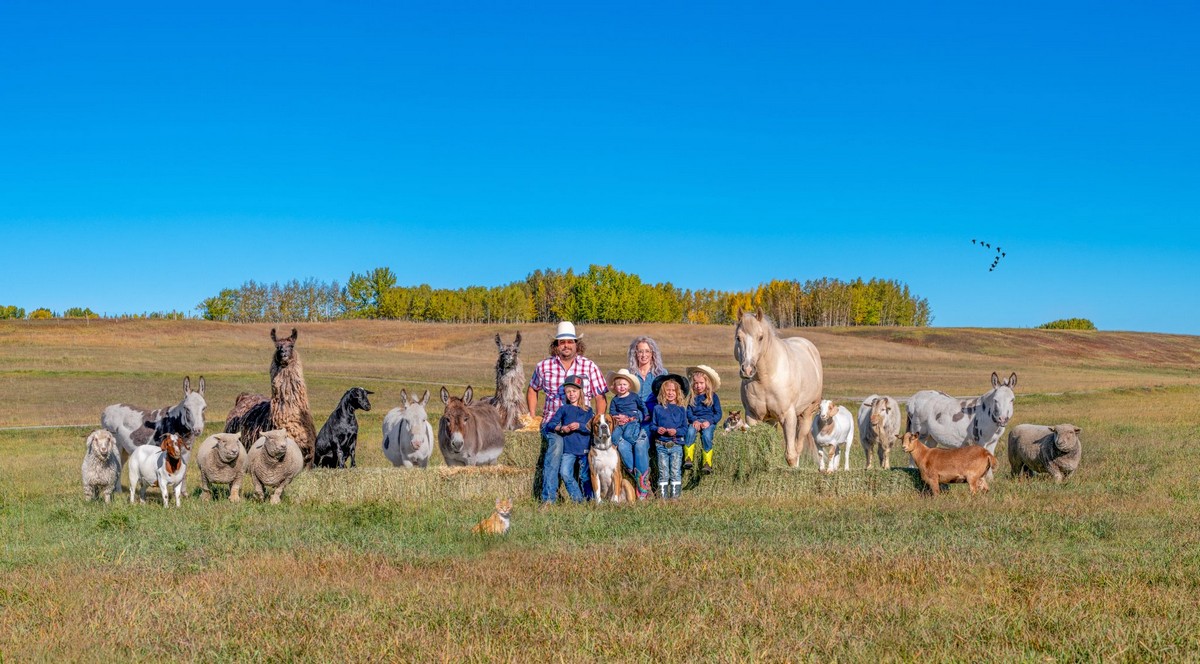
{"points": [[548, 377]]}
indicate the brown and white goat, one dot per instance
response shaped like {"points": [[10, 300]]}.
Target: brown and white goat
{"points": [[968, 463]]}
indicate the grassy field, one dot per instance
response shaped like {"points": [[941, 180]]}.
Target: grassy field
{"points": [[757, 562]]}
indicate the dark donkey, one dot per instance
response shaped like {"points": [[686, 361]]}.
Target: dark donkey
{"points": [[469, 434]]}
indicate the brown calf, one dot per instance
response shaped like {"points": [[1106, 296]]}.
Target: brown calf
{"points": [[965, 464]]}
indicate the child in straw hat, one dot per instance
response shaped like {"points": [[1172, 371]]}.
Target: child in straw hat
{"points": [[703, 414], [628, 412]]}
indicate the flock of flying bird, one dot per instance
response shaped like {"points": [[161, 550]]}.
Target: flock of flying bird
{"points": [[999, 253]]}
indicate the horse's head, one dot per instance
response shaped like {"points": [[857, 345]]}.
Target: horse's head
{"points": [[285, 348], [508, 354], [457, 419], [356, 398], [999, 400], [750, 335], [414, 418], [190, 411]]}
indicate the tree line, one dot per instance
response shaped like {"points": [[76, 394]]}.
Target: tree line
{"points": [[601, 294]]}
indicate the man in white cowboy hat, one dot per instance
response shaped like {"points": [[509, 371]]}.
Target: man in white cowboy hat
{"points": [[703, 415], [566, 358]]}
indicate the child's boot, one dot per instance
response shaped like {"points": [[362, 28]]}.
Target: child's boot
{"points": [[643, 485], [676, 487], [662, 490], [689, 455], [707, 468]]}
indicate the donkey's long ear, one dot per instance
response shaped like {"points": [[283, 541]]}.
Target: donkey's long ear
{"points": [[424, 398], [187, 385], [499, 344], [445, 396], [517, 343], [273, 336], [295, 335], [404, 396], [1012, 380], [202, 386], [995, 380], [468, 396]]}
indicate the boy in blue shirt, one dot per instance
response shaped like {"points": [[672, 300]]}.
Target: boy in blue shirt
{"points": [[629, 412]]}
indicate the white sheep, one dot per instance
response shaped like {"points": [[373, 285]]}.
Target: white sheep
{"points": [[164, 466], [221, 460], [1034, 448], [833, 433], [101, 466], [274, 461]]}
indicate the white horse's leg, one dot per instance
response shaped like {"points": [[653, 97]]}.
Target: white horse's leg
{"points": [[806, 440], [788, 420]]}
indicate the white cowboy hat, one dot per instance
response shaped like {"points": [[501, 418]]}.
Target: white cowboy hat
{"points": [[708, 371], [566, 330], [626, 375]]}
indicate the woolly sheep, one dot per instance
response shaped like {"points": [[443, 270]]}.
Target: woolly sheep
{"points": [[274, 461], [222, 460], [1034, 448], [101, 466]]}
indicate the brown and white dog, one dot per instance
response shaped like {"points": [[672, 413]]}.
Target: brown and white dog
{"points": [[608, 478]]}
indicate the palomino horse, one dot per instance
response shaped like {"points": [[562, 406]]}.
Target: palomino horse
{"points": [[781, 380], [950, 422], [469, 434]]}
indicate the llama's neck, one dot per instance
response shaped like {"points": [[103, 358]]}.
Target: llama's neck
{"points": [[287, 385]]}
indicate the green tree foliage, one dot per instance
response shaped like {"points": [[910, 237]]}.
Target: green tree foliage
{"points": [[365, 293], [41, 313], [295, 301], [79, 312], [601, 294], [1068, 324], [11, 312]]}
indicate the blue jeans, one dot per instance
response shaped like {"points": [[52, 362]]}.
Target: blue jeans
{"points": [[670, 463], [567, 471], [706, 437], [551, 466], [633, 443]]}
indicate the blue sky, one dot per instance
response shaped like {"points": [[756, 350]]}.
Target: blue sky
{"points": [[154, 153]]}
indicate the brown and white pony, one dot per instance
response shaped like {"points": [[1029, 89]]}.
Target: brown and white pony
{"points": [[469, 434]]}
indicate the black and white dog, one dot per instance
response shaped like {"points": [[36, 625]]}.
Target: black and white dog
{"points": [[338, 438]]}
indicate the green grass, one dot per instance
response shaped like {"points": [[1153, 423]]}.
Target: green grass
{"points": [[756, 561]]}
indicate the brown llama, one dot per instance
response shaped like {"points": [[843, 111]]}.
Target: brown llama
{"points": [[287, 409], [510, 386]]}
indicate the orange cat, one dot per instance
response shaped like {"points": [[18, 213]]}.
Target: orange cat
{"points": [[497, 523]]}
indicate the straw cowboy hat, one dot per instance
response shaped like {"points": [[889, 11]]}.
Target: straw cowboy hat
{"points": [[683, 382], [566, 330], [708, 371], [624, 373]]}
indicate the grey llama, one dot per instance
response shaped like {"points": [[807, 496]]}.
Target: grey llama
{"points": [[510, 385]]}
